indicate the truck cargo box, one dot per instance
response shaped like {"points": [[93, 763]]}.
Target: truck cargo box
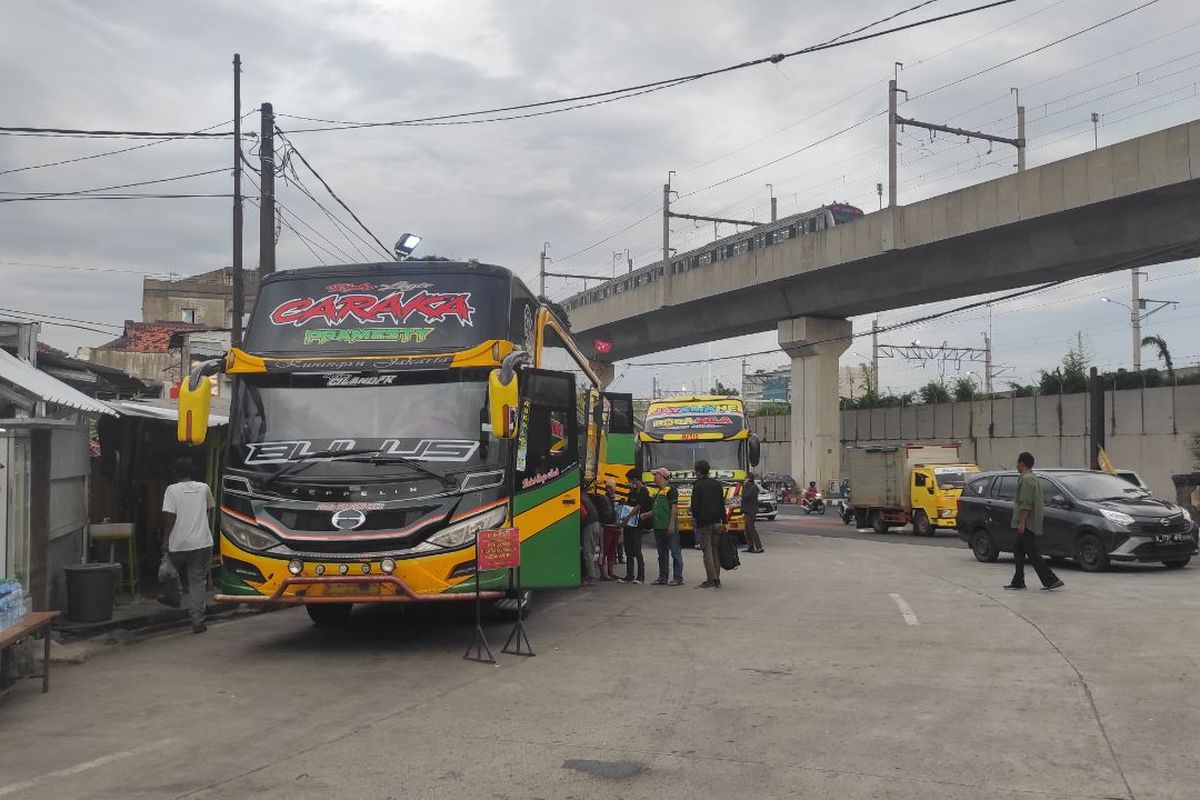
{"points": [[879, 476]]}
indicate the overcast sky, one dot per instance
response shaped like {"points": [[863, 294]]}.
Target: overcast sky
{"points": [[497, 191]]}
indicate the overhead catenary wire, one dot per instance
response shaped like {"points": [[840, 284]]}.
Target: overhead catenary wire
{"points": [[771, 59], [282, 135], [102, 189]]}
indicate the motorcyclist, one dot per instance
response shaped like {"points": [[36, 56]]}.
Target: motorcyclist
{"points": [[811, 493]]}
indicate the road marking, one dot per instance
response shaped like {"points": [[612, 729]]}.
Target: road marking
{"points": [[83, 767], [909, 617]]}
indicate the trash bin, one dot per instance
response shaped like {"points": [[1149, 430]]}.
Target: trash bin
{"points": [[91, 591]]}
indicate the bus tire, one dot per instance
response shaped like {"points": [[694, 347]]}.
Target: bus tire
{"points": [[328, 615]]}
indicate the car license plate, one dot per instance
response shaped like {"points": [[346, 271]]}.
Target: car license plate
{"points": [[1167, 538], [347, 589]]}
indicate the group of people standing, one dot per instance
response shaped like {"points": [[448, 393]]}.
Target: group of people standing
{"points": [[608, 524]]}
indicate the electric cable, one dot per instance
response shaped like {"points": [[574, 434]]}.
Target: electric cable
{"points": [[118, 186]]}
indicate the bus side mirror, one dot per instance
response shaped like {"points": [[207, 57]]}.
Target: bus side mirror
{"points": [[502, 405], [195, 398], [755, 449]]}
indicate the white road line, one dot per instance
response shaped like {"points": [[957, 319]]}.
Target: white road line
{"points": [[83, 767], [909, 617]]}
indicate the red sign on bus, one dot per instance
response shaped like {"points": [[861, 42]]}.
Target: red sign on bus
{"points": [[498, 549]]}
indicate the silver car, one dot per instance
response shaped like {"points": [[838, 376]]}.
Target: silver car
{"points": [[768, 505]]}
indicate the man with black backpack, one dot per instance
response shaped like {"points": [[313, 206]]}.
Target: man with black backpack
{"points": [[708, 517]]}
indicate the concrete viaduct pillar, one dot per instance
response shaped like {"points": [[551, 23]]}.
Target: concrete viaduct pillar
{"points": [[814, 344]]}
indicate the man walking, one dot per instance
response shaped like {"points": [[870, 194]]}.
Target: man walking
{"points": [[708, 517], [666, 528], [749, 512], [637, 524], [1027, 520], [187, 538]]}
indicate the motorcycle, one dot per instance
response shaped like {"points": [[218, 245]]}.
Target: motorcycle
{"points": [[814, 506], [847, 513]]}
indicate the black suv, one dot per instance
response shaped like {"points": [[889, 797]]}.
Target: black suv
{"points": [[1092, 517]]}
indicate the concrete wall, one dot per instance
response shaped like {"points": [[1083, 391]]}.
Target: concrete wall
{"points": [[1146, 430], [146, 366]]}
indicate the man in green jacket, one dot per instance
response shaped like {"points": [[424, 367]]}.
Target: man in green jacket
{"points": [[1027, 521]]}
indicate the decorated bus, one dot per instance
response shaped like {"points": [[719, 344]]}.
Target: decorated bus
{"points": [[680, 431], [382, 415]]}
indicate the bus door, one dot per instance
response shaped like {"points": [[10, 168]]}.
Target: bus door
{"points": [[617, 447], [547, 468]]}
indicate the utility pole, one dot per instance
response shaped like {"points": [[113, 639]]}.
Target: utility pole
{"points": [[892, 143], [1135, 318], [654, 387], [1095, 131], [774, 203], [542, 271], [666, 242], [875, 354], [266, 203], [1020, 130], [239, 289], [987, 364], [629, 260]]}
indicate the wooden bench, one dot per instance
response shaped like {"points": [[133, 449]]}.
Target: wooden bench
{"points": [[30, 625]]}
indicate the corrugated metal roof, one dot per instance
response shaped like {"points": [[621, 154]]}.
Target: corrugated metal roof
{"points": [[166, 413], [25, 376]]}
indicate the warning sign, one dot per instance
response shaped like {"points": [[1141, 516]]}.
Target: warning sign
{"points": [[498, 549]]}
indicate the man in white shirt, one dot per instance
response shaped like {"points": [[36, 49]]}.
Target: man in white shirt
{"points": [[187, 537]]}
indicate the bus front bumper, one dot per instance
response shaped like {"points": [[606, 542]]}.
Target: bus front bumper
{"points": [[349, 589]]}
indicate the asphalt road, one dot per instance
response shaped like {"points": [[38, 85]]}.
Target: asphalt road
{"points": [[794, 521], [828, 667]]}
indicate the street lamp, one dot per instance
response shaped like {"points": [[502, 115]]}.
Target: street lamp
{"points": [[1095, 131], [1136, 317]]}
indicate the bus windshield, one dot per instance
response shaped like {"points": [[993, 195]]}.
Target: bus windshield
{"points": [[682, 456], [280, 418]]}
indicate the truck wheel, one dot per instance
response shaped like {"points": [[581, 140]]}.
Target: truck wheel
{"points": [[984, 547], [1090, 553], [328, 615], [921, 526], [878, 523], [1178, 564]]}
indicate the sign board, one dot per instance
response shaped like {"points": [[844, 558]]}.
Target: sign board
{"points": [[498, 549], [603, 347]]}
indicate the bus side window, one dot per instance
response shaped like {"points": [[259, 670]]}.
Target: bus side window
{"points": [[553, 433]]}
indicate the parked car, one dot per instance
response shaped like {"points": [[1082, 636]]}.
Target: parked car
{"points": [[768, 505], [1092, 517]]}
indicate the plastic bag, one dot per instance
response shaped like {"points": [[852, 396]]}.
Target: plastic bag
{"points": [[169, 590]]}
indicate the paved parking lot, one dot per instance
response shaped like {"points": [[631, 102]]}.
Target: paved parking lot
{"points": [[828, 667]]}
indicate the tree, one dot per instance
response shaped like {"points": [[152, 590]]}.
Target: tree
{"points": [[1071, 377], [773, 408], [964, 389], [1164, 355], [723, 390], [934, 392]]}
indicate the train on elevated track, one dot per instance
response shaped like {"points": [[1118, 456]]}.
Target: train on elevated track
{"points": [[793, 227]]}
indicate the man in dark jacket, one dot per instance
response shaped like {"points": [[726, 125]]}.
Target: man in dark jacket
{"points": [[749, 512], [640, 523], [708, 517]]}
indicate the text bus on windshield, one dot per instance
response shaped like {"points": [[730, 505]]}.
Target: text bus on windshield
{"points": [[683, 430], [384, 414]]}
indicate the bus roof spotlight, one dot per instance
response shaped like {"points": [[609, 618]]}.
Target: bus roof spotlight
{"points": [[405, 245]]}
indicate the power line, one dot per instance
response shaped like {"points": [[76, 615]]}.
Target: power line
{"points": [[1035, 50], [667, 82], [109, 152], [141, 196], [60, 320], [332, 193], [200, 134], [344, 257], [34, 265], [28, 195]]}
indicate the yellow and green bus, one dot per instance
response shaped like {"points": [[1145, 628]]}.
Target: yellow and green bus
{"points": [[680, 431], [382, 415]]}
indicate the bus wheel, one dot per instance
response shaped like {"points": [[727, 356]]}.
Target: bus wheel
{"points": [[328, 615]]}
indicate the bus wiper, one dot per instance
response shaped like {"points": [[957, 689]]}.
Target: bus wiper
{"points": [[395, 458], [307, 460]]}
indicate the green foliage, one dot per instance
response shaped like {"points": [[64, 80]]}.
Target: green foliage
{"points": [[773, 409], [723, 390], [1071, 377], [964, 389], [1164, 354], [934, 392], [1196, 450], [1022, 390]]}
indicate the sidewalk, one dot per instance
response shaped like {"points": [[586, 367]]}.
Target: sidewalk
{"points": [[137, 614]]}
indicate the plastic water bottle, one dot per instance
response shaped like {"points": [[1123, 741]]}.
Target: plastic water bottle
{"points": [[6, 604]]}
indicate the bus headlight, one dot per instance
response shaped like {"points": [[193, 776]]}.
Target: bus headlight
{"points": [[388, 565], [247, 536], [463, 533], [295, 566]]}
